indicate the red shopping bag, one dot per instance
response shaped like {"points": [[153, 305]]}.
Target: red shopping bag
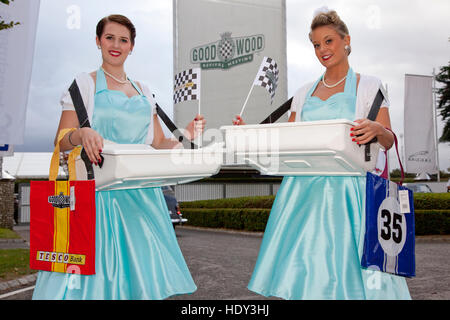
{"points": [[62, 221]]}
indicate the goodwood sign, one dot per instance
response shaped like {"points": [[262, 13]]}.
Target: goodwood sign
{"points": [[227, 52]]}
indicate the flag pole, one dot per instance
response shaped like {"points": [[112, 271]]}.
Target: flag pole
{"points": [[200, 136], [387, 152], [248, 96], [200, 142], [262, 71], [436, 140], [246, 100]]}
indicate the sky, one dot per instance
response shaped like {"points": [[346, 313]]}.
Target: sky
{"points": [[389, 39]]}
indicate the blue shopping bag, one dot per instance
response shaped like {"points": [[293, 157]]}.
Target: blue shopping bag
{"points": [[389, 241]]}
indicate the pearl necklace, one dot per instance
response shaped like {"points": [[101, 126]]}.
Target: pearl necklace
{"points": [[118, 80], [332, 85]]}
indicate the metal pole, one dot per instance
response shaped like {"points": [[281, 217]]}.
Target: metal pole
{"points": [[387, 152], [402, 151], [435, 127]]}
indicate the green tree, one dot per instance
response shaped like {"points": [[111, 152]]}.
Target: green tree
{"points": [[444, 100], [396, 173], [7, 25]]}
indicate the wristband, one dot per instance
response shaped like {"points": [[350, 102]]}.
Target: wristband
{"points": [[70, 140]]}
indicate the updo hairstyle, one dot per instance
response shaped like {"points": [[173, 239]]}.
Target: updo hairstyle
{"points": [[330, 19]]}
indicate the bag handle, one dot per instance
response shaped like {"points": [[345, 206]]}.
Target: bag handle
{"points": [[54, 163], [398, 157]]}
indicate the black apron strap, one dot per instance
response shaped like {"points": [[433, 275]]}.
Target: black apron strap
{"points": [[78, 103], [83, 119], [173, 128], [373, 113], [278, 113]]}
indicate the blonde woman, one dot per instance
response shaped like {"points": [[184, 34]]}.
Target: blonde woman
{"points": [[314, 237]]}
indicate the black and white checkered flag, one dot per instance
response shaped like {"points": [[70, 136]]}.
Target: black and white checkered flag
{"points": [[267, 76], [187, 86]]}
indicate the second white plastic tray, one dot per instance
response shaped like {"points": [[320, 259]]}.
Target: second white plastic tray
{"points": [[299, 148]]}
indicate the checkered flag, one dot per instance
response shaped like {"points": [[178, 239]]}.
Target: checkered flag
{"points": [[267, 76], [187, 86]]}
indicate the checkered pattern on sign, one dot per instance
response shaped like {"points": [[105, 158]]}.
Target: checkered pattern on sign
{"points": [[187, 86], [226, 49], [267, 76]]}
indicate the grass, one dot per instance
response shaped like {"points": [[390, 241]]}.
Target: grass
{"points": [[8, 234], [14, 263]]}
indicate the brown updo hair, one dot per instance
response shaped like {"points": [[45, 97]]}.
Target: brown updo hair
{"points": [[332, 20], [117, 18]]}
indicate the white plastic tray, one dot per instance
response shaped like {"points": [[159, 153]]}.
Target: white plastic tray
{"points": [[299, 148], [141, 166]]}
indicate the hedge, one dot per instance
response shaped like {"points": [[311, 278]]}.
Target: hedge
{"points": [[428, 222], [263, 202], [432, 212], [432, 201], [432, 222], [237, 219], [422, 201]]}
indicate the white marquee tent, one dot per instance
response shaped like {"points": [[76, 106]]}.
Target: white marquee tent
{"points": [[28, 165]]}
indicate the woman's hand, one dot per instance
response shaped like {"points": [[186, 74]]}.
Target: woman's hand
{"points": [[238, 121], [195, 127], [87, 137], [366, 130], [92, 143]]}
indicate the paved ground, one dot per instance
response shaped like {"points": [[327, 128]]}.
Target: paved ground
{"points": [[432, 281], [221, 263]]}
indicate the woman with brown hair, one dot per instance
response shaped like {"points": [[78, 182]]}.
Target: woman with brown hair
{"points": [[137, 253], [314, 237]]}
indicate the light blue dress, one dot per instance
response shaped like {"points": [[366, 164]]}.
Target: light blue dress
{"points": [[137, 253], [314, 237]]}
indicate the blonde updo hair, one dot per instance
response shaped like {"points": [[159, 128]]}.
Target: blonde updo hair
{"points": [[331, 19]]}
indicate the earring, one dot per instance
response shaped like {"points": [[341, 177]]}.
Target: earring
{"points": [[99, 47], [348, 49], [130, 53]]}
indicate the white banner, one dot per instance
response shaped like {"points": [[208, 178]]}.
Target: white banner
{"points": [[16, 59], [420, 145], [6, 150], [228, 40]]}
